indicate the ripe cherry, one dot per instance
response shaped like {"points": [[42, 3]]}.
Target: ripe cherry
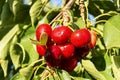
{"points": [[93, 39], [53, 56], [41, 49], [67, 50], [50, 42], [61, 34], [68, 64], [43, 28], [82, 52], [80, 38], [55, 51]]}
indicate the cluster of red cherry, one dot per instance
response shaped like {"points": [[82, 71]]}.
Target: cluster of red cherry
{"points": [[62, 47]]}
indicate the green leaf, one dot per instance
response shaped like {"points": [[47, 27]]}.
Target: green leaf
{"points": [[108, 62], [4, 65], [1, 74], [10, 4], [18, 9], [1, 5], [108, 72], [6, 15], [4, 51], [79, 22], [105, 5], [36, 78], [30, 49], [112, 32], [90, 68], [99, 60], [43, 38], [50, 6], [116, 66], [44, 20], [52, 77], [36, 10], [6, 40], [78, 69], [80, 78], [27, 72], [100, 43], [107, 75], [102, 6], [4, 30], [63, 75], [17, 76], [49, 16], [17, 55], [66, 75], [93, 8]]}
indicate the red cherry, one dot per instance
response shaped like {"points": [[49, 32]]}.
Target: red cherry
{"points": [[50, 42], [82, 52], [43, 28], [53, 56], [93, 39], [68, 64], [61, 34], [41, 49], [80, 38], [67, 50], [56, 52]]}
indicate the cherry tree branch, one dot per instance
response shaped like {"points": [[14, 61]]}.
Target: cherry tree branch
{"points": [[69, 4], [82, 10], [67, 7]]}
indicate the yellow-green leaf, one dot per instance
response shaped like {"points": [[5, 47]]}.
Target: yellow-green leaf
{"points": [[111, 32], [90, 68]]}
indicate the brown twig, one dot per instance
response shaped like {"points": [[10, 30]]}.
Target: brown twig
{"points": [[67, 7], [66, 17], [82, 10]]}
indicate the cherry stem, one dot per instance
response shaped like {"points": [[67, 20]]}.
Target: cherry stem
{"points": [[100, 21], [98, 31], [37, 68], [47, 72], [37, 61]]}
